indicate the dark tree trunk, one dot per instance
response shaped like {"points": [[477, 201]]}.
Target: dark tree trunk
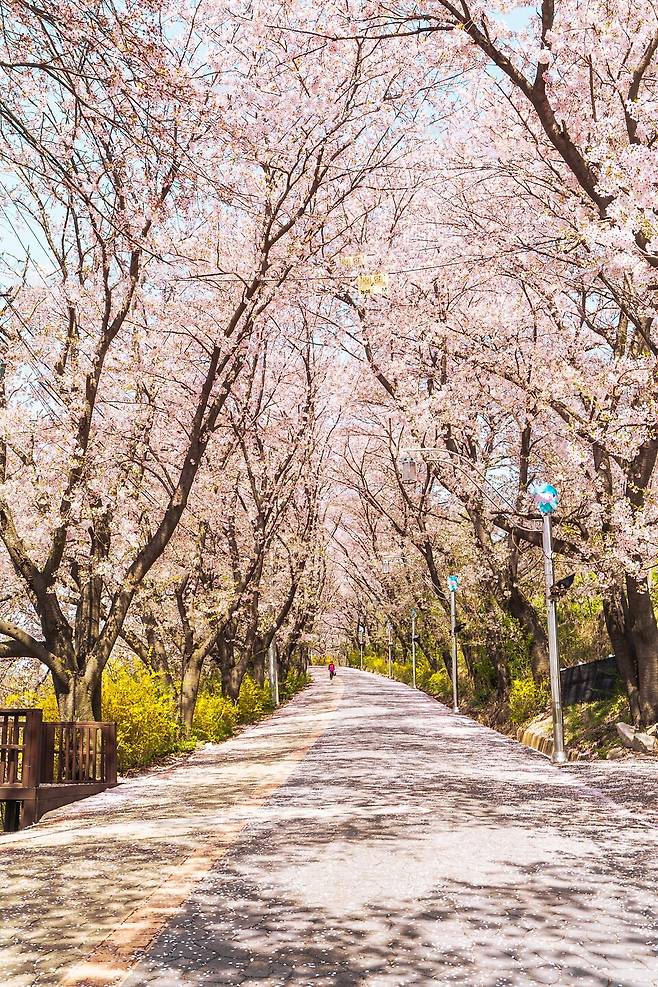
{"points": [[224, 656], [615, 615], [470, 660], [190, 689], [256, 665], [644, 635], [522, 610], [447, 660], [501, 667], [79, 696], [232, 677]]}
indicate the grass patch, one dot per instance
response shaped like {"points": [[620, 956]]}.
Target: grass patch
{"points": [[590, 727]]}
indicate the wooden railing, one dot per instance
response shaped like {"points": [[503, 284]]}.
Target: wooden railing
{"points": [[78, 752], [19, 746], [46, 765]]}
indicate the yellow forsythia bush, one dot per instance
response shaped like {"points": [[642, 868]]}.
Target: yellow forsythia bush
{"points": [[214, 717], [402, 672], [43, 699], [439, 684], [252, 701], [527, 699], [375, 664], [145, 712]]}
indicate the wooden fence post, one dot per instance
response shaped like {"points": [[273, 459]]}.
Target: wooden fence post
{"points": [[110, 754], [31, 767]]}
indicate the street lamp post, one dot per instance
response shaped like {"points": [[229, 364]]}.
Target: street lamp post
{"points": [[362, 634], [389, 631], [274, 673], [546, 499], [413, 645], [453, 586]]}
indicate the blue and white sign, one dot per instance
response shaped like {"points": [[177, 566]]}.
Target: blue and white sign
{"points": [[545, 496], [453, 583]]}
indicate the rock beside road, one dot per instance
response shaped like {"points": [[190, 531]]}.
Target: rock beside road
{"points": [[626, 733], [645, 743], [637, 740]]}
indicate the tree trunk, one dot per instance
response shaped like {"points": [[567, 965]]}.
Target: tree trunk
{"points": [[232, 676], [257, 660], [446, 658], [472, 663], [501, 668], [495, 648], [522, 610], [614, 612], [644, 635], [190, 690], [224, 657], [79, 696]]}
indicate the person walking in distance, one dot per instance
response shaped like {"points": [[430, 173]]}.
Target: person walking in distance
{"points": [[332, 670]]}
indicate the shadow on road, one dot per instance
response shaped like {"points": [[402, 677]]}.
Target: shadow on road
{"points": [[413, 847]]}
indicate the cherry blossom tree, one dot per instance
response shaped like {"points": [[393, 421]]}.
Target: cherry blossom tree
{"points": [[199, 205], [171, 184]]}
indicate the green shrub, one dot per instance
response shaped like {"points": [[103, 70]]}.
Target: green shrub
{"points": [[293, 683], [582, 630], [527, 699], [593, 724], [145, 713], [214, 717], [514, 645]]}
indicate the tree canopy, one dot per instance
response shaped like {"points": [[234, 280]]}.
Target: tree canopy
{"points": [[258, 257]]}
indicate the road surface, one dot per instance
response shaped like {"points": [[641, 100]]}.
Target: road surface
{"points": [[362, 835]]}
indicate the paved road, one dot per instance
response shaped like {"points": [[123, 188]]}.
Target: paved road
{"points": [[364, 835]]}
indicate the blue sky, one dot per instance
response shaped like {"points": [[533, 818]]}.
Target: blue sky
{"points": [[519, 17]]}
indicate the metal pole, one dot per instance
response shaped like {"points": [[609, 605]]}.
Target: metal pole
{"points": [[276, 679], [413, 646], [453, 643], [274, 673], [559, 756], [362, 639], [390, 649]]}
